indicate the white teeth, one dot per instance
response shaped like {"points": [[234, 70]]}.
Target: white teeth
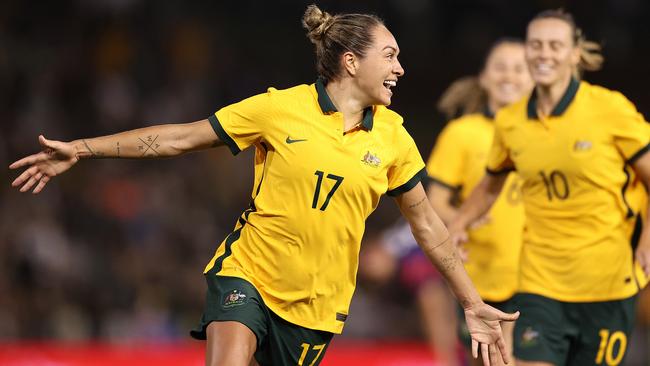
{"points": [[507, 87], [390, 83], [543, 67]]}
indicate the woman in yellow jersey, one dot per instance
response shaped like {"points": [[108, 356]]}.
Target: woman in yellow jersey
{"points": [[456, 165], [573, 144], [279, 286]]}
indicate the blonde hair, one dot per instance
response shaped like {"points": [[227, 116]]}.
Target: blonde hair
{"points": [[591, 58], [335, 34]]}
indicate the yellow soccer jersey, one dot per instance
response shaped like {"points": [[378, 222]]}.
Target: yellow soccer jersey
{"points": [[299, 241], [458, 162], [573, 164]]}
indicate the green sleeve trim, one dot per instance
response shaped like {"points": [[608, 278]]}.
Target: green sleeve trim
{"points": [[499, 172], [417, 178], [223, 136], [638, 154]]}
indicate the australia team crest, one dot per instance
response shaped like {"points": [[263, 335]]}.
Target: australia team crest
{"points": [[234, 298], [371, 159]]}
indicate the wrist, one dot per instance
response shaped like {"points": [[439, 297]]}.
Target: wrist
{"points": [[81, 150], [469, 304]]}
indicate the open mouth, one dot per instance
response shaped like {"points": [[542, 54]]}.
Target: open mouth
{"points": [[507, 88], [543, 68], [389, 83]]}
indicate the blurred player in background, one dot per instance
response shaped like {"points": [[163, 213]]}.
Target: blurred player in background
{"points": [[279, 286], [573, 144], [455, 166]]}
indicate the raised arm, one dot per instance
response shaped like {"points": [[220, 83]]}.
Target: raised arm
{"points": [[477, 205], [483, 321], [150, 142]]}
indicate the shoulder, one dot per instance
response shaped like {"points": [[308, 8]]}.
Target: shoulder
{"points": [[389, 117], [282, 101], [298, 91], [388, 123], [597, 96]]}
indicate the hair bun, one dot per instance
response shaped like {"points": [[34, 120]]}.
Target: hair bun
{"points": [[317, 22]]}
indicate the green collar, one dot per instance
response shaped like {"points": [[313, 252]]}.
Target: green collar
{"points": [[562, 105], [487, 113], [327, 106]]}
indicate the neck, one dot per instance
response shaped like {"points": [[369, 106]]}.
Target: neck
{"points": [[493, 106], [549, 96], [346, 101]]}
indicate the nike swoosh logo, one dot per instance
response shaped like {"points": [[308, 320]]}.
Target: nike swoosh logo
{"points": [[290, 141]]}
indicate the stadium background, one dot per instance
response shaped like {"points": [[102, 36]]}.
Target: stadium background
{"points": [[113, 251]]}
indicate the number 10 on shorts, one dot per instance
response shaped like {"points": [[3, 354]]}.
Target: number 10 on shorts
{"points": [[608, 343]]}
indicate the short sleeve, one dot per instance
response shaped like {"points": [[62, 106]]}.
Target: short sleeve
{"points": [[499, 161], [446, 163], [242, 124], [408, 167], [631, 130]]}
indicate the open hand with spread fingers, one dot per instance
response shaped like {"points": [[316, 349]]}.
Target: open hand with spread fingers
{"points": [[484, 325], [55, 158]]}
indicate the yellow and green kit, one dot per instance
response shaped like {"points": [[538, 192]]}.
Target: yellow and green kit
{"points": [[315, 185], [575, 167]]}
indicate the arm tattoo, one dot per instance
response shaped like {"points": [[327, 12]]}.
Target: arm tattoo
{"points": [[448, 264], [93, 154], [118, 149], [418, 204], [149, 147]]}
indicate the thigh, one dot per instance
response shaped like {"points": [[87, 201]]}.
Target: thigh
{"points": [[232, 299], [542, 334], [605, 328], [290, 344], [229, 343]]}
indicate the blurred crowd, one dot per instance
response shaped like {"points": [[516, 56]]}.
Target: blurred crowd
{"points": [[115, 250]]}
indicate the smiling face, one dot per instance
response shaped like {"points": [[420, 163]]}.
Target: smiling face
{"points": [[379, 69], [505, 76], [551, 53]]}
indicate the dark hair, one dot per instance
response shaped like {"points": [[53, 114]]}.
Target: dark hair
{"points": [[591, 58], [334, 35], [465, 95]]}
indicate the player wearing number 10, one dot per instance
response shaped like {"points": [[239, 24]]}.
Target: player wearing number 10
{"points": [[279, 286], [573, 144]]}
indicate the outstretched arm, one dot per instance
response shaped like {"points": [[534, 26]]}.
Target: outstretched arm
{"points": [[483, 320], [150, 142], [642, 167]]}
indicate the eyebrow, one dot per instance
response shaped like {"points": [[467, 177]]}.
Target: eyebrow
{"points": [[390, 47]]}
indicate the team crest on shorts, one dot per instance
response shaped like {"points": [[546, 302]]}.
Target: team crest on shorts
{"points": [[234, 298], [529, 337], [371, 159]]}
